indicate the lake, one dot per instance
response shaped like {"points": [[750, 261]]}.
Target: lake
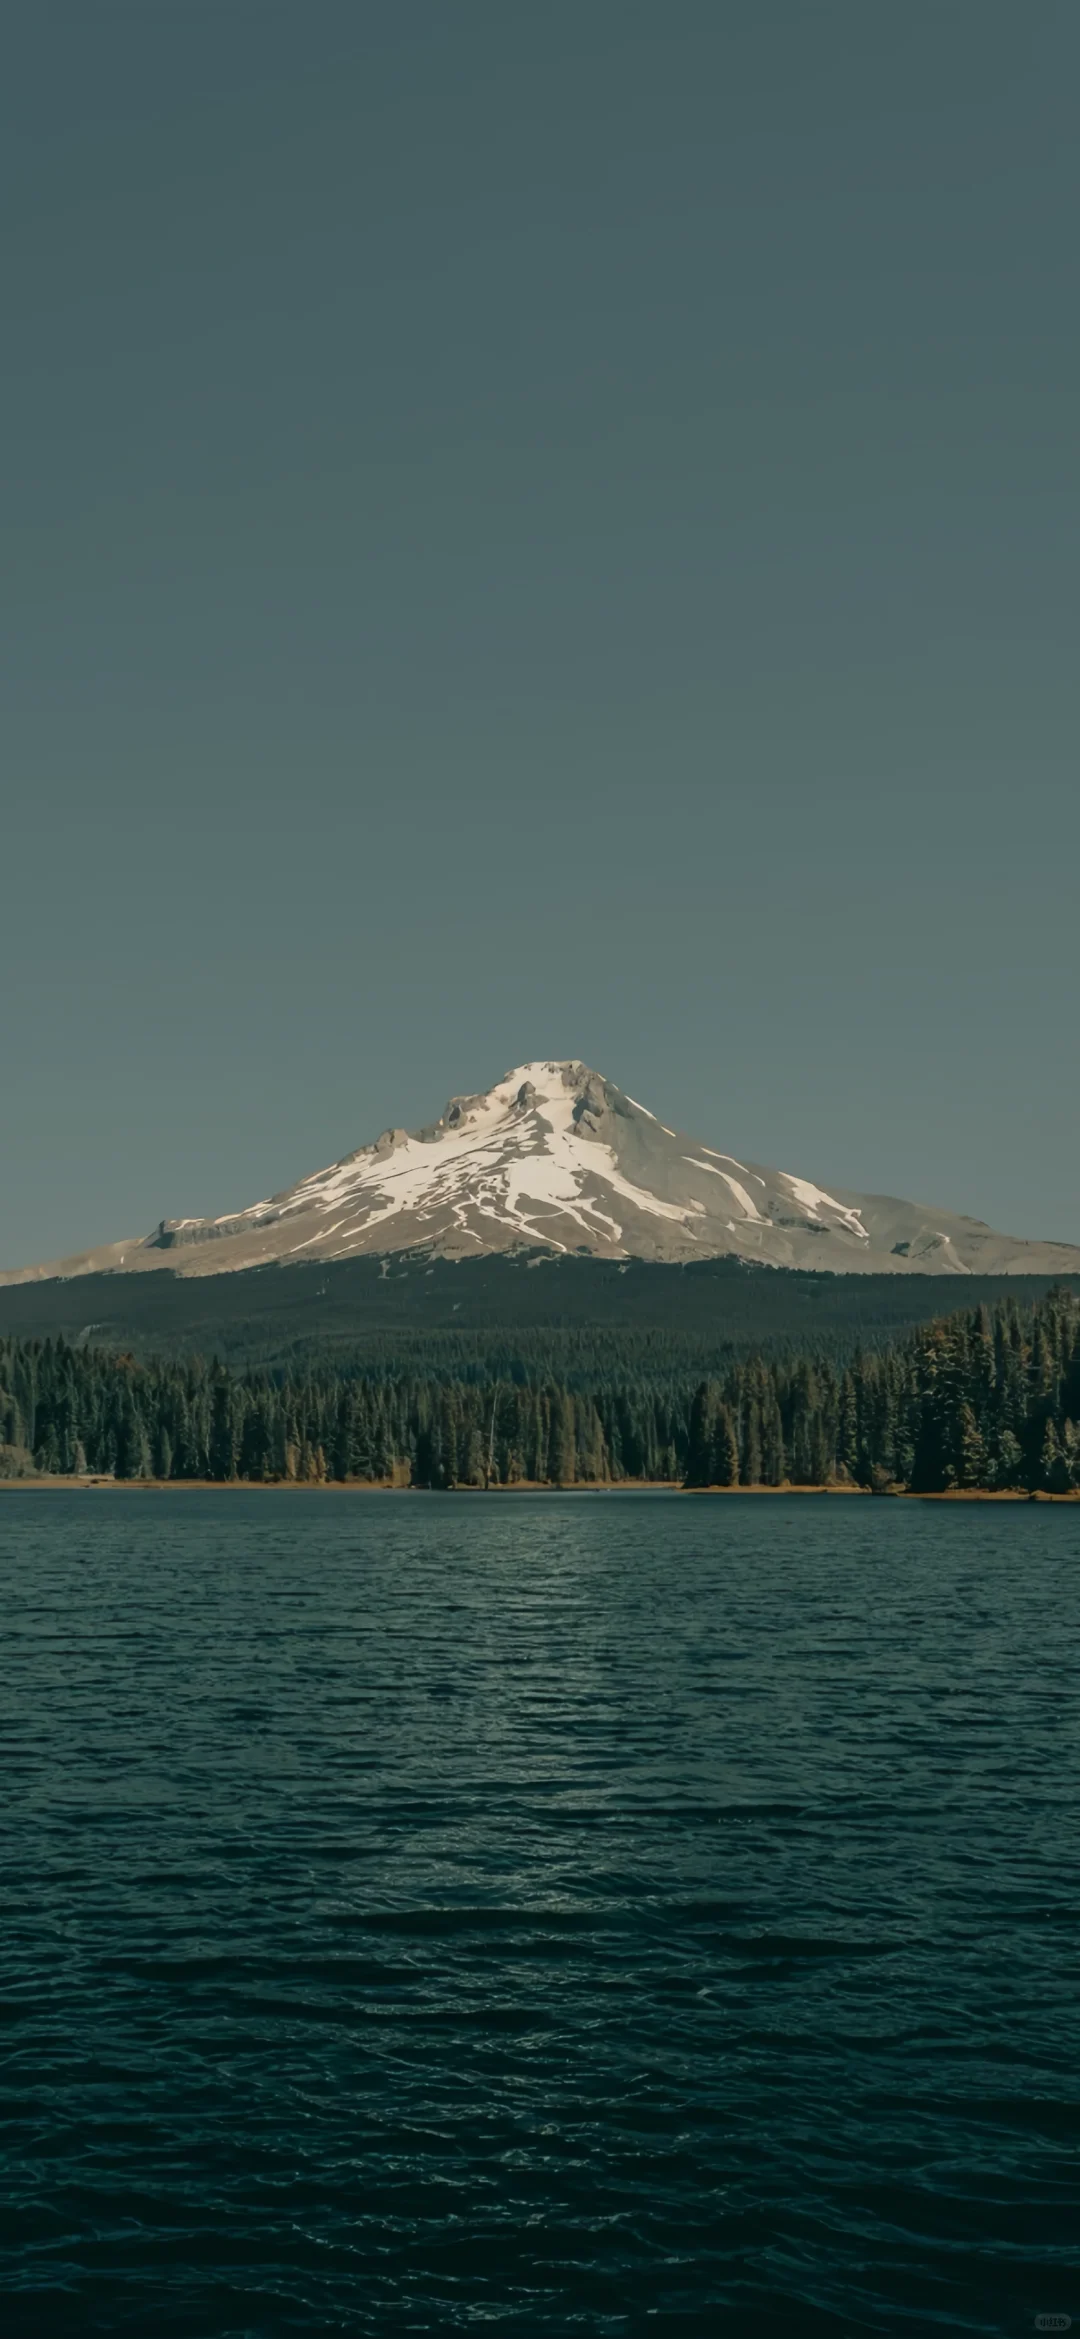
{"points": [[538, 1913]]}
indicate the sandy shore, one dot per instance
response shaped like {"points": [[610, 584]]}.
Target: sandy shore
{"points": [[89, 1485]]}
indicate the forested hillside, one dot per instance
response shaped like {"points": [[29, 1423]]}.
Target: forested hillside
{"points": [[988, 1398], [571, 1320]]}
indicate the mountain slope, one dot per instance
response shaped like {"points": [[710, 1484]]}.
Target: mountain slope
{"points": [[555, 1158]]}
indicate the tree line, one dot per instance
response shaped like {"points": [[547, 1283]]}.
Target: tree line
{"points": [[988, 1398]]}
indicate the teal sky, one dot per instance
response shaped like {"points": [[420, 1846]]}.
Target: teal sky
{"points": [[538, 531]]}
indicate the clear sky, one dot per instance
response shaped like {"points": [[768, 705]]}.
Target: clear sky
{"points": [[538, 531]]}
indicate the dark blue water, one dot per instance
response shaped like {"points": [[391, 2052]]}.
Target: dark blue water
{"points": [[538, 1914]]}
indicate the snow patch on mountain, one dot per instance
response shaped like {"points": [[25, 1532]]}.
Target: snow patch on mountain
{"points": [[815, 1201]]}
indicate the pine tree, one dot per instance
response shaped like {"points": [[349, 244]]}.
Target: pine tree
{"points": [[563, 1448], [725, 1453], [1008, 1467], [750, 1460], [1070, 1446], [223, 1441], [847, 1453], [970, 1464], [1054, 1473], [701, 1449]]}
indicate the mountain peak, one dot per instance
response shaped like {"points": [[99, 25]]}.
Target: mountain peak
{"points": [[555, 1158]]}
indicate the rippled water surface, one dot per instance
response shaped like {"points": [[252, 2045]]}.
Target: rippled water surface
{"points": [[540, 1913]]}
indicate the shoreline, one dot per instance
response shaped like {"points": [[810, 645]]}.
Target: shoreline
{"points": [[43, 1483]]}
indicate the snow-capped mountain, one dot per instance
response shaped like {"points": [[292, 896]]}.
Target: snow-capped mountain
{"points": [[556, 1159]]}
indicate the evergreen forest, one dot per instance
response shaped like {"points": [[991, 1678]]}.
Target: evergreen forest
{"points": [[502, 1317], [987, 1398]]}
